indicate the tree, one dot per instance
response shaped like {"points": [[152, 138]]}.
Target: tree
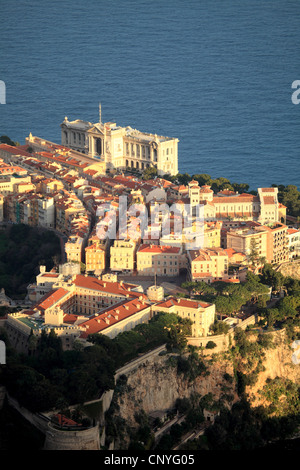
{"points": [[149, 173], [219, 328], [254, 254], [203, 179], [211, 345], [6, 140]]}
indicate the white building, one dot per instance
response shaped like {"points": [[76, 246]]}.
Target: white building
{"points": [[121, 147], [293, 236]]}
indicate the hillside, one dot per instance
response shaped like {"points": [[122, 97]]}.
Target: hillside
{"points": [[265, 375]]}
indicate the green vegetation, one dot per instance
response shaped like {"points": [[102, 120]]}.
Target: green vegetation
{"points": [[248, 354], [290, 197], [53, 378], [149, 173], [163, 328], [228, 298], [191, 366], [217, 184], [22, 250], [219, 328], [193, 409], [4, 139], [244, 428]]}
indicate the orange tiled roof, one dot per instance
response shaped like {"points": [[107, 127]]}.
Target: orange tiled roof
{"points": [[89, 282], [147, 248], [111, 316], [183, 303], [51, 298]]}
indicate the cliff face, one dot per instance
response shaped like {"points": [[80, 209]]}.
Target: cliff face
{"points": [[291, 269], [156, 385], [278, 363]]}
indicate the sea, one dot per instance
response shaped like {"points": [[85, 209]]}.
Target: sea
{"points": [[215, 74]]}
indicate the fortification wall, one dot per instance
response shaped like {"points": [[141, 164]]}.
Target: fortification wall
{"points": [[222, 341], [88, 439]]}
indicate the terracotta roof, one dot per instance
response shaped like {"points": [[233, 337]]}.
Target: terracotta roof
{"points": [[206, 254], [51, 298], [236, 199], [269, 200], [89, 282], [64, 421], [14, 150], [148, 248], [111, 316], [173, 302]]}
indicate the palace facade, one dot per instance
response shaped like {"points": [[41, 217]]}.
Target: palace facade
{"points": [[121, 147]]}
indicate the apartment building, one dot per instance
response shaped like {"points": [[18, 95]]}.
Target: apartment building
{"points": [[244, 239], [95, 258], [212, 234], [160, 260], [278, 251], [270, 241], [227, 205], [293, 236], [122, 256], [207, 264], [202, 314], [74, 248]]}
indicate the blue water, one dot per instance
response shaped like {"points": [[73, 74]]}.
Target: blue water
{"points": [[216, 74]]}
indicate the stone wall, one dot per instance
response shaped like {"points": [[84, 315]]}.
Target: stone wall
{"points": [[88, 439], [290, 269], [56, 439], [222, 341]]}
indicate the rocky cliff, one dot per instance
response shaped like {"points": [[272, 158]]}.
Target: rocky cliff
{"points": [[157, 384], [291, 269]]}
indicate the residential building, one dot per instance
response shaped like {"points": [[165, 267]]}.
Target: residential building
{"points": [[201, 314], [245, 238], [293, 236], [160, 260], [122, 255], [95, 258], [74, 249], [208, 265]]}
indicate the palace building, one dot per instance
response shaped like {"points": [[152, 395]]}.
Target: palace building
{"points": [[121, 147]]}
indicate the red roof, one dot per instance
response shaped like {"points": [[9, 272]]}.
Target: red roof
{"points": [[111, 316], [14, 150], [148, 248], [64, 421], [51, 298], [269, 200], [173, 302], [118, 288], [236, 199]]}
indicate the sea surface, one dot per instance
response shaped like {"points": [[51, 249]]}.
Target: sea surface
{"points": [[215, 74]]}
